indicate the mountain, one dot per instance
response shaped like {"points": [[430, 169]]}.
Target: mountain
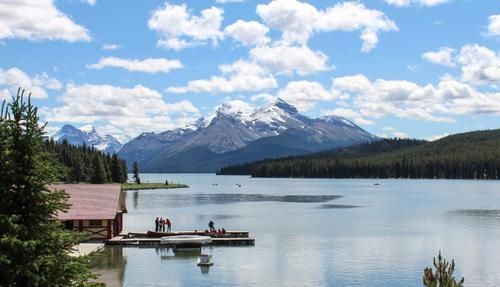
{"points": [[472, 155], [236, 133], [87, 135]]}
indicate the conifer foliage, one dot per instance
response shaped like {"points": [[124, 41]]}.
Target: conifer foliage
{"points": [[34, 248], [86, 164], [443, 276], [472, 155], [135, 168]]}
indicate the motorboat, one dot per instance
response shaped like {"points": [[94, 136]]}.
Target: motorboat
{"points": [[186, 241]]}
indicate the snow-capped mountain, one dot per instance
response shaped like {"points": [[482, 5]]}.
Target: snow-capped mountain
{"points": [[235, 133], [87, 135]]}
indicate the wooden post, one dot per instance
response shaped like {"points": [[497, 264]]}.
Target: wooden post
{"points": [[121, 223], [80, 225], [110, 222]]}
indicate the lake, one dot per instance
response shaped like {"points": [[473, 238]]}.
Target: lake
{"points": [[373, 235]]}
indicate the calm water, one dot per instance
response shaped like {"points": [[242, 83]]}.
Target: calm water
{"points": [[373, 235]]}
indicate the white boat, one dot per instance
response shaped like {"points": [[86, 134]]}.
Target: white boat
{"points": [[186, 240]]}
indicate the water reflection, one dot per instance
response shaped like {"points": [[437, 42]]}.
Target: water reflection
{"points": [[305, 240], [483, 213], [476, 218], [208, 217], [337, 206], [135, 198], [110, 265], [180, 200]]}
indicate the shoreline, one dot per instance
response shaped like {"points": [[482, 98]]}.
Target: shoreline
{"points": [[133, 186]]}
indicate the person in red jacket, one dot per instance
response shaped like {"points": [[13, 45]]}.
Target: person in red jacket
{"points": [[169, 225]]}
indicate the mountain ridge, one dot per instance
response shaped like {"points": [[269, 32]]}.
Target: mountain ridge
{"points": [[89, 136], [236, 132]]}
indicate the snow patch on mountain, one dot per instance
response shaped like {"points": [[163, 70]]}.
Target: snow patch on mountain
{"points": [[89, 136]]}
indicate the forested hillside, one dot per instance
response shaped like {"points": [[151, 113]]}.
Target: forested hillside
{"points": [[473, 155], [85, 164]]}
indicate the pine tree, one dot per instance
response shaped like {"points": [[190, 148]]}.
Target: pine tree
{"points": [[136, 173], [443, 277], [99, 173], [116, 169], [34, 248], [124, 171]]}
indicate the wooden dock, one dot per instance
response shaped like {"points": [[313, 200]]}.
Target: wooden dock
{"points": [[231, 238]]}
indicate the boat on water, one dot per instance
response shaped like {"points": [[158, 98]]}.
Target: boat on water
{"points": [[186, 241]]}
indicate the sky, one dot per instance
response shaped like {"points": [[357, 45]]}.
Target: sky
{"points": [[397, 68]]}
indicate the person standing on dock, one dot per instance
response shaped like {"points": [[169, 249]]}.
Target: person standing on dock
{"points": [[157, 224], [169, 225], [211, 225], [162, 225]]}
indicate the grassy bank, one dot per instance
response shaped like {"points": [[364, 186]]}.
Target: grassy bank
{"points": [[133, 186]]}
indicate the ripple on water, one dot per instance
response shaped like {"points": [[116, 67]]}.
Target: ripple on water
{"points": [[176, 200], [337, 206]]}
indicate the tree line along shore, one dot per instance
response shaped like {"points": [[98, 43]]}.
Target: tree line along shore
{"points": [[472, 155]]}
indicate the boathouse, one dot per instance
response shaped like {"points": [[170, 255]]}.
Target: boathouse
{"points": [[96, 209]]}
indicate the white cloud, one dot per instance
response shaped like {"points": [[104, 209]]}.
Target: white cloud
{"points": [[90, 2], [479, 65], [179, 29], [248, 33], [268, 98], [237, 77], [111, 47], [38, 20], [412, 68], [350, 16], [305, 94], [408, 100], [288, 59], [130, 111], [443, 56], [407, 3], [13, 78], [294, 18], [400, 135], [149, 65], [494, 25], [298, 21], [349, 114]]}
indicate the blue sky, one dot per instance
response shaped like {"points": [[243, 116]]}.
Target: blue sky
{"points": [[417, 68]]}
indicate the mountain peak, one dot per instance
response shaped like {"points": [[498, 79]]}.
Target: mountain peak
{"points": [[235, 108], [88, 129], [68, 127], [284, 105], [87, 135]]}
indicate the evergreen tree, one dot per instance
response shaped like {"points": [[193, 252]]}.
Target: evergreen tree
{"points": [[443, 276], [99, 172], [124, 171], [135, 170], [116, 169], [34, 248]]}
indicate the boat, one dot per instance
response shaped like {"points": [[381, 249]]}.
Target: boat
{"points": [[155, 234], [186, 241]]}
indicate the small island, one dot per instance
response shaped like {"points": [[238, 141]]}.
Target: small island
{"points": [[135, 186]]}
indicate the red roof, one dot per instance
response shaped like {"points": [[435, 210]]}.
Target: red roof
{"points": [[92, 201]]}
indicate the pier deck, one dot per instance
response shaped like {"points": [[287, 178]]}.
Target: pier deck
{"points": [[134, 239]]}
